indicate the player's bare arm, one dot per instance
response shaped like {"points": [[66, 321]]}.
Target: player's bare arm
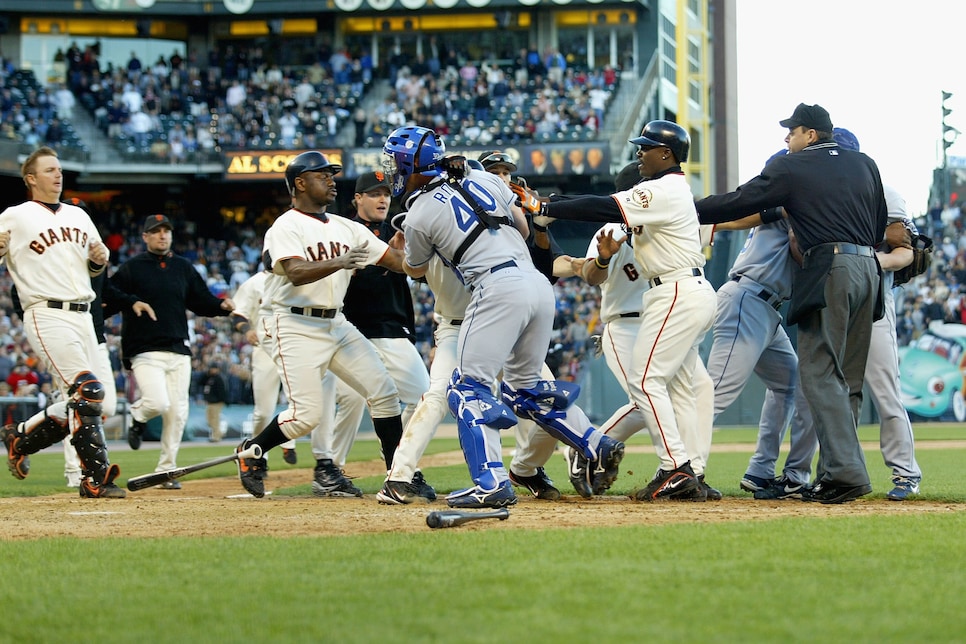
{"points": [[4, 242], [302, 271], [896, 258], [392, 259], [595, 272], [227, 304], [415, 272]]}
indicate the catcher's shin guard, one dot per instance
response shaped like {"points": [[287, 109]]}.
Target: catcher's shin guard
{"points": [[479, 419], [99, 473], [550, 404], [29, 438]]}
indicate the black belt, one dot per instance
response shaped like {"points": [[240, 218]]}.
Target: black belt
{"points": [[315, 313], [632, 314], [500, 267], [456, 322], [657, 281], [844, 248], [79, 307], [773, 300]]}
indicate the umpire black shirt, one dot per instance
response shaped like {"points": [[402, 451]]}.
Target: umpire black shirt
{"points": [[379, 302], [830, 194], [172, 286]]}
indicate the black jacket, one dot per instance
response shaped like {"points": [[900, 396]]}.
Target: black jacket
{"points": [[379, 302], [172, 286]]}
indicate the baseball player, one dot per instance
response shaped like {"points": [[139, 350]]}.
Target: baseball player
{"points": [[380, 304], [677, 309], [896, 440], [468, 218], [52, 250], [251, 317], [534, 446], [312, 256], [749, 338], [158, 351], [622, 293]]}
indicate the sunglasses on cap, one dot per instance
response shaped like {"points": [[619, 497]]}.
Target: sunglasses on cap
{"points": [[496, 157]]}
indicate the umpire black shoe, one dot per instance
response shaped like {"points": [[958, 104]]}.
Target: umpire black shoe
{"points": [[135, 433], [679, 484], [830, 493], [290, 456], [539, 485]]}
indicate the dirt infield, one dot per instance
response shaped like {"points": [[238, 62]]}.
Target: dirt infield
{"points": [[218, 507]]}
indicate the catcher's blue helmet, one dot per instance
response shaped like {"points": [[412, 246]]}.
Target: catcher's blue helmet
{"points": [[411, 150]]}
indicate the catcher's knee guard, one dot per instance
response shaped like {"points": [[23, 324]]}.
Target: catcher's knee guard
{"points": [[550, 404], [86, 394], [477, 410]]}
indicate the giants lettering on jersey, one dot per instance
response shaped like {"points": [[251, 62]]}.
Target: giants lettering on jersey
{"points": [[75, 235], [320, 254]]}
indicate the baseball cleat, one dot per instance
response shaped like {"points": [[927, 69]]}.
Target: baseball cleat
{"points": [[711, 493], [17, 463], [423, 489], [782, 488], [751, 483], [106, 490], [290, 456], [905, 487], [328, 481], [135, 433], [251, 472], [578, 470], [610, 453], [539, 485], [399, 493], [679, 484], [171, 485], [476, 497]]}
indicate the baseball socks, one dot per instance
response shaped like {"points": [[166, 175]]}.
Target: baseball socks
{"points": [[269, 437], [389, 431]]}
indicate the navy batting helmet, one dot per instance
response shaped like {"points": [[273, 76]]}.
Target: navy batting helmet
{"points": [[411, 150], [666, 134], [307, 162]]}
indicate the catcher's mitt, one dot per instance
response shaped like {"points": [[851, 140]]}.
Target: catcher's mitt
{"points": [[922, 256], [898, 236]]}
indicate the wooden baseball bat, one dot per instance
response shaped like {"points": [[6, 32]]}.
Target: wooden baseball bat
{"points": [[453, 518], [157, 478]]}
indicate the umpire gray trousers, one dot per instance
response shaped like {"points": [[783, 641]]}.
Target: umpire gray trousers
{"points": [[833, 346]]}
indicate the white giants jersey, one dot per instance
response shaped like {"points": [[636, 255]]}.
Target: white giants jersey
{"points": [[665, 223], [49, 252], [623, 290], [300, 235]]}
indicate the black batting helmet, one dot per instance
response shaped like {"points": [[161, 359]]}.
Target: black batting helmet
{"points": [[307, 162], [666, 134]]}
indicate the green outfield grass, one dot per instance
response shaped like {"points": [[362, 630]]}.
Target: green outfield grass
{"points": [[894, 578]]}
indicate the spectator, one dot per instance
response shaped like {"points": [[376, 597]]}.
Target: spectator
{"points": [[215, 393]]}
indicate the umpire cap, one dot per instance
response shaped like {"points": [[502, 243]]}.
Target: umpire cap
{"points": [[667, 135], [307, 162]]}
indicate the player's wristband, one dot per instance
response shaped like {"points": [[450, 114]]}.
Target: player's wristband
{"points": [[769, 215], [540, 229], [95, 268], [600, 264]]}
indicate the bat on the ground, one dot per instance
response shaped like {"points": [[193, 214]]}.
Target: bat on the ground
{"points": [[157, 478], [453, 518]]}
